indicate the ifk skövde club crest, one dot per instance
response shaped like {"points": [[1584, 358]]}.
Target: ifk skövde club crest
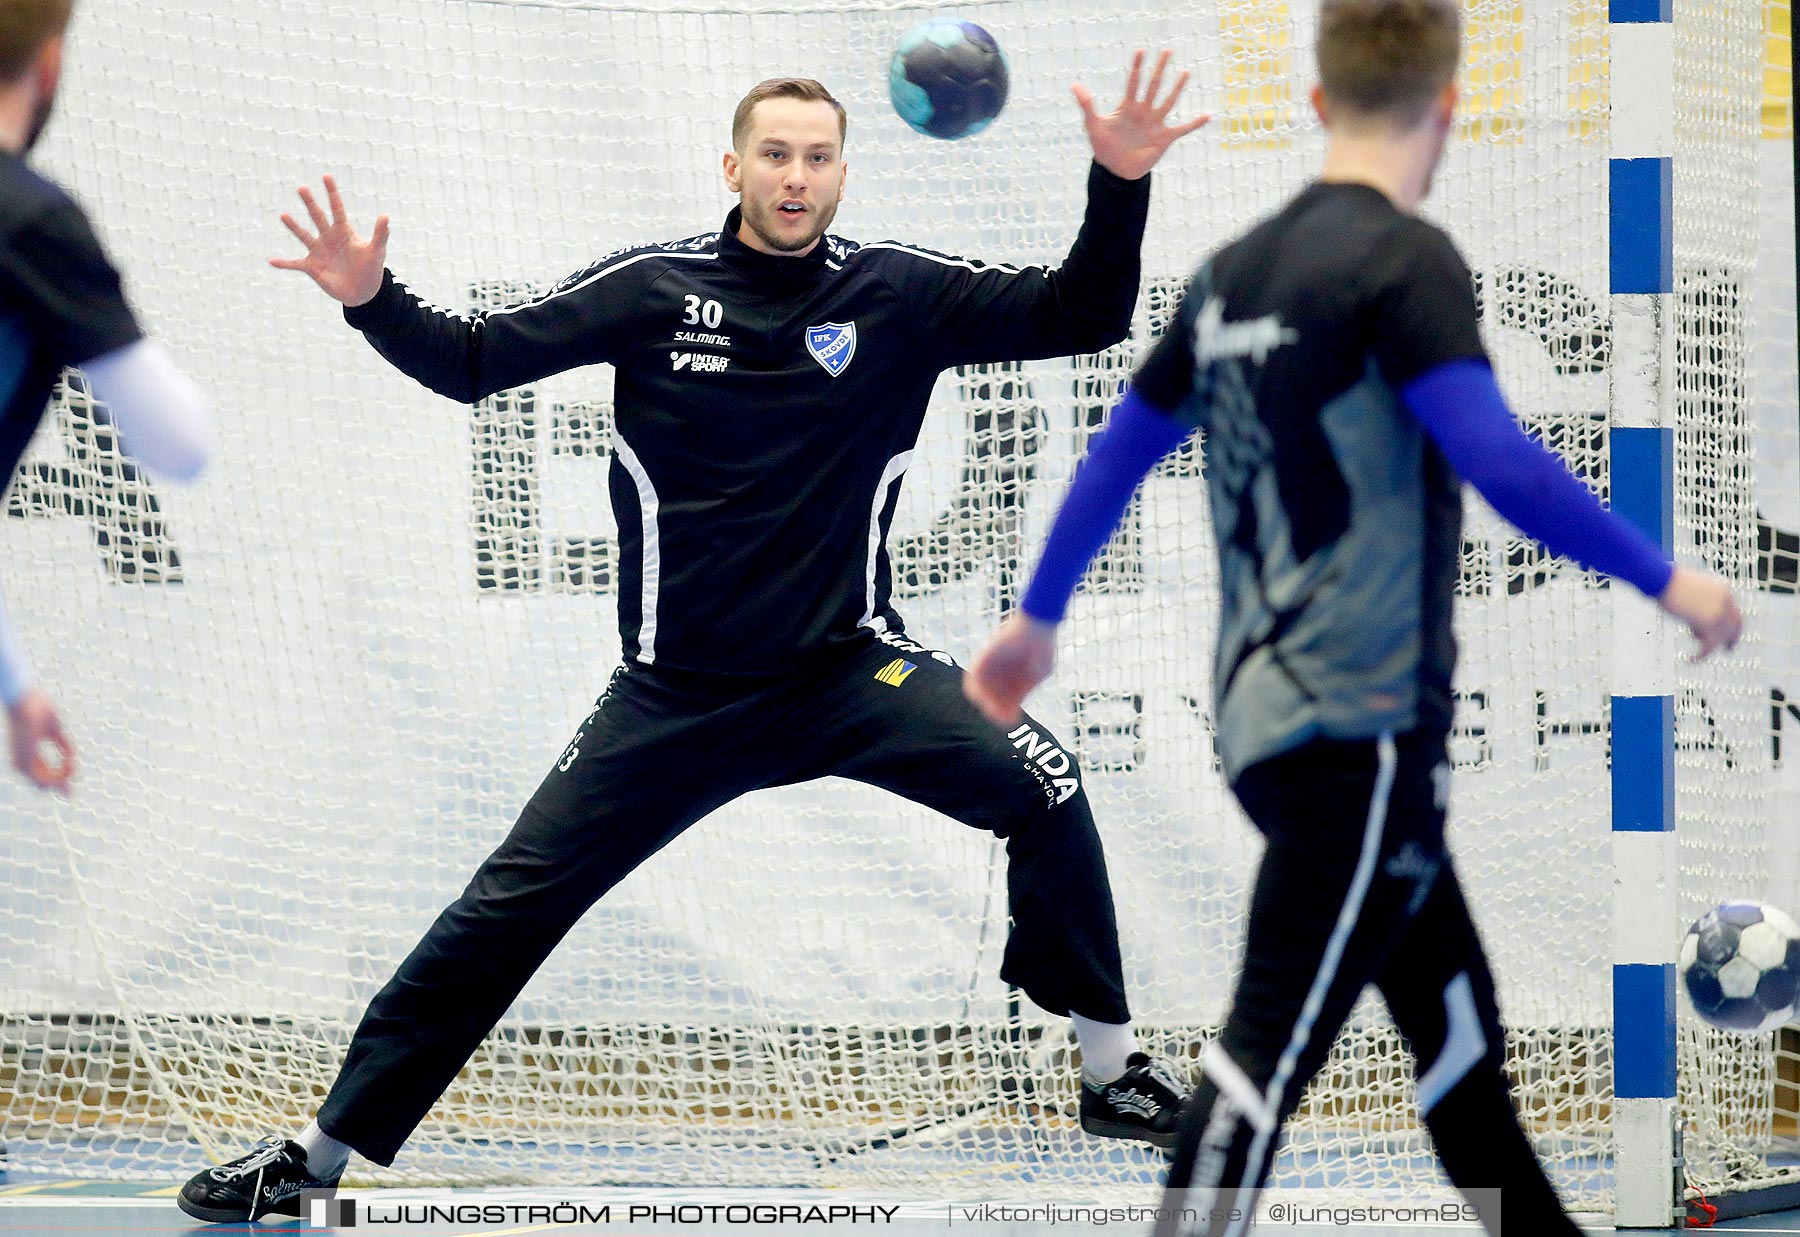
{"points": [[832, 344]]}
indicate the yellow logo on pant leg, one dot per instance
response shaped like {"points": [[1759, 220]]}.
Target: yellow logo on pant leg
{"points": [[895, 672]]}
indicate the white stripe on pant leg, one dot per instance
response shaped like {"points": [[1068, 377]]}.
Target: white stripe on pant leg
{"points": [[1464, 1044], [1238, 1099], [1230, 1078], [1201, 1196], [1348, 914]]}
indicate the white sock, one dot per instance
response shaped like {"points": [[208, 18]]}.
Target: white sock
{"points": [[1104, 1047], [325, 1155]]}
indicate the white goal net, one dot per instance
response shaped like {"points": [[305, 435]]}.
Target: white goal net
{"points": [[312, 692]]}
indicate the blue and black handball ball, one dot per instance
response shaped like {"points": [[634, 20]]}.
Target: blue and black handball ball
{"points": [[1740, 964], [947, 78]]}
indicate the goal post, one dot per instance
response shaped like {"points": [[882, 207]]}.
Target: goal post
{"points": [[313, 691]]}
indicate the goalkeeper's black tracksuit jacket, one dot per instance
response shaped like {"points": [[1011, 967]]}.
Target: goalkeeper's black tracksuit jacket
{"points": [[765, 411]]}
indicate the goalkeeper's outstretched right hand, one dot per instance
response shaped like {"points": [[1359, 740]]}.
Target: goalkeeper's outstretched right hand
{"points": [[1705, 604], [338, 260]]}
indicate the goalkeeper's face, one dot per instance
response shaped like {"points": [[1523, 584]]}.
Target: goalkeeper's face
{"points": [[789, 175]]}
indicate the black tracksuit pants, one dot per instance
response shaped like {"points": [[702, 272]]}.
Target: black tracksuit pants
{"points": [[1355, 887], [660, 750]]}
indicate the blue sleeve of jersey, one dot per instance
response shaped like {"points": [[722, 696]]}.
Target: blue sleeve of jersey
{"points": [[1460, 405], [1137, 435]]}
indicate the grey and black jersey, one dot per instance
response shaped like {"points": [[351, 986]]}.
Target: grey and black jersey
{"points": [[1338, 522], [766, 408]]}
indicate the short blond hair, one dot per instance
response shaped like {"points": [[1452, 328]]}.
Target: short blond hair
{"points": [[802, 88], [25, 26], [1388, 58]]}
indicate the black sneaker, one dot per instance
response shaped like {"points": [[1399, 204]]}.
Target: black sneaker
{"points": [[1142, 1103], [267, 1180]]}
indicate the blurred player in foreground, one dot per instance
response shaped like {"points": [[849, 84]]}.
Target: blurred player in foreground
{"points": [[61, 304], [771, 384], [1331, 357]]}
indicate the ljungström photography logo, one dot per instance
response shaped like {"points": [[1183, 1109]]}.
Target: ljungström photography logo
{"points": [[324, 1210]]}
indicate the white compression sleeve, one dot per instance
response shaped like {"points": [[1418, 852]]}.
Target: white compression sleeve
{"points": [[15, 672], [162, 419]]}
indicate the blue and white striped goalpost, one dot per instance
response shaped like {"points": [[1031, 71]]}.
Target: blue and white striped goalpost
{"points": [[1641, 266]]}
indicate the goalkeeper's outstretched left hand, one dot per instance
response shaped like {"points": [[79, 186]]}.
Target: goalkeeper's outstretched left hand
{"points": [[1128, 140], [1018, 658], [346, 265]]}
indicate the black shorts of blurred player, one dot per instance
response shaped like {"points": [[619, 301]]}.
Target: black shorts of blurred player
{"points": [[1356, 887]]}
